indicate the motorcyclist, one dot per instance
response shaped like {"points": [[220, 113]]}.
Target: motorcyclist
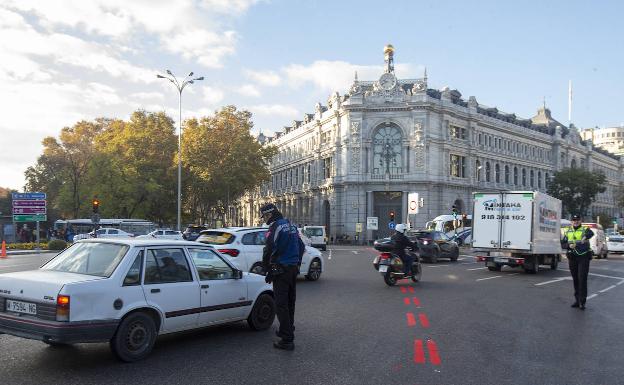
{"points": [[400, 242]]}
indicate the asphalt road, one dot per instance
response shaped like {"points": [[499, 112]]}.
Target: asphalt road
{"points": [[461, 325]]}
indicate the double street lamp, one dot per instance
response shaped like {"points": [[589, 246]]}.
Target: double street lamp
{"points": [[180, 87]]}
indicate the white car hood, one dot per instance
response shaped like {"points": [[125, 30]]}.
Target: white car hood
{"points": [[38, 285]]}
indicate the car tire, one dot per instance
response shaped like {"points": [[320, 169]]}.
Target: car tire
{"points": [[314, 271], [262, 314], [554, 263], [257, 268], [495, 268], [455, 255], [434, 258], [135, 337]]}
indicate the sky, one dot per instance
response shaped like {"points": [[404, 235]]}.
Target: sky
{"points": [[62, 61]]}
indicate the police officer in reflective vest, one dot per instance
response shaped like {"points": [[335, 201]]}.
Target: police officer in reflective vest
{"points": [[281, 259], [576, 240]]}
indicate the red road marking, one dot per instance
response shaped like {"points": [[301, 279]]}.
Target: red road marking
{"points": [[433, 352], [419, 352], [424, 321], [411, 289], [406, 301], [411, 320], [416, 301], [403, 290]]}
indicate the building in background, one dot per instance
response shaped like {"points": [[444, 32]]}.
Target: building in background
{"points": [[608, 138], [362, 153]]}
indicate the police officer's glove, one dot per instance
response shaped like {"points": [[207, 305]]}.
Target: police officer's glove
{"points": [[268, 278], [572, 245]]}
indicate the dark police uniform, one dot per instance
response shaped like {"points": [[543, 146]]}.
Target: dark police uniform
{"points": [[400, 242], [576, 240], [281, 259]]}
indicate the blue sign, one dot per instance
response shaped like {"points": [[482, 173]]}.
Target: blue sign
{"points": [[391, 225], [29, 195]]}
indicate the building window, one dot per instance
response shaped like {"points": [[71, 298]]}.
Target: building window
{"points": [[487, 171], [480, 139], [478, 170], [524, 177], [573, 163], [506, 174], [539, 179], [309, 169], [516, 176], [458, 132], [532, 178], [327, 167], [458, 166], [497, 173], [387, 157], [547, 180]]}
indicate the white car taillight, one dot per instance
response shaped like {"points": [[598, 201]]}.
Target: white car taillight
{"points": [[62, 308]]}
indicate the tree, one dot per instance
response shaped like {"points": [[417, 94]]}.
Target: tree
{"points": [[577, 189]]}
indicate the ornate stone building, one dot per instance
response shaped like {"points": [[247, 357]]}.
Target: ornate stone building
{"points": [[608, 138], [360, 155]]}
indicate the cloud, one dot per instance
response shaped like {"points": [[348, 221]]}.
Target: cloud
{"points": [[274, 110], [233, 7], [212, 95], [249, 90], [265, 78]]}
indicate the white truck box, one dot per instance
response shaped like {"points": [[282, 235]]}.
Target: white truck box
{"points": [[517, 228]]}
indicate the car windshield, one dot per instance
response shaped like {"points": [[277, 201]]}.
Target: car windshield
{"points": [[314, 232], [420, 234], [215, 237], [92, 258]]}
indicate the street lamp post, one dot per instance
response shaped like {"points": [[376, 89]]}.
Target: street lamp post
{"points": [[180, 87]]}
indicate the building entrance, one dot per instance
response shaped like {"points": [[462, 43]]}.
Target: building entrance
{"points": [[385, 204]]}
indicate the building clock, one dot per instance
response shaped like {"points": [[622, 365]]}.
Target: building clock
{"points": [[387, 81]]}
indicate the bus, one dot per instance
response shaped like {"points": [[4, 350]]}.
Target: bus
{"points": [[83, 226]]}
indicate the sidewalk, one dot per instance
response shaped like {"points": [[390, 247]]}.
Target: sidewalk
{"points": [[20, 252]]}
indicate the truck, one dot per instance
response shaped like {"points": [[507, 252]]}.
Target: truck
{"points": [[517, 228]]}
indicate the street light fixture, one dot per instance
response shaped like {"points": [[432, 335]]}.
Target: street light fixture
{"points": [[180, 87]]}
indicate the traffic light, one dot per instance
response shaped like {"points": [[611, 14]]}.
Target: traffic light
{"points": [[96, 205], [454, 210], [391, 216]]}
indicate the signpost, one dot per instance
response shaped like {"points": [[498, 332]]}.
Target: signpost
{"points": [[372, 223], [413, 203], [30, 207]]}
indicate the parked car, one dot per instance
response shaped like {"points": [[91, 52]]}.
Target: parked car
{"points": [[244, 246], [163, 234], [104, 232], [129, 291], [306, 241], [615, 243], [192, 232], [317, 236]]}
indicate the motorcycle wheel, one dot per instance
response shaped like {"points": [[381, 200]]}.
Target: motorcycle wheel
{"points": [[418, 275], [389, 279]]}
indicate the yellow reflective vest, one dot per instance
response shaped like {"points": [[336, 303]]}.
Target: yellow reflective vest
{"points": [[574, 235]]}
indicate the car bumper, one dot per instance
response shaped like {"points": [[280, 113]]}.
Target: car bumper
{"points": [[61, 332], [615, 248]]}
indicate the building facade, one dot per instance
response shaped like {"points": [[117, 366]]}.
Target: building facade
{"points": [[362, 153], [608, 138]]}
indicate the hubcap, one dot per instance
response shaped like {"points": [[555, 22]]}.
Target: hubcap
{"points": [[137, 337], [264, 313], [315, 270], [257, 269]]}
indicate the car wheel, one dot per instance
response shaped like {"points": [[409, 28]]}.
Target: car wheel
{"points": [[262, 314], [434, 257], [495, 268], [554, 263], [134, 338], [257, 268], [455, 255], [314, 272]]}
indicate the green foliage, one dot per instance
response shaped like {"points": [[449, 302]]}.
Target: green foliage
{"points": [[5, 201], [605, 220], [57, 244], [577, 189], [25, 246]]}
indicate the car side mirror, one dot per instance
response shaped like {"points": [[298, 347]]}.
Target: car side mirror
{"points": [[238, 274]]}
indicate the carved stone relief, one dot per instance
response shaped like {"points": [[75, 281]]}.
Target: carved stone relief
{"points": [[419, 146], [355, 147]]}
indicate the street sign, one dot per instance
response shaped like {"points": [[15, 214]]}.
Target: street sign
{"points": [[391, 225], [28, 196], [29, 210], [412, 203], [372, 223], [30, 218], [29, 203], [358, 227]]}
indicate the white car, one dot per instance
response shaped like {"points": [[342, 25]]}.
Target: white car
{"points": [[244, 246], [163, 234], [615, 243], [104, 232], [317, 236], [129, 291]]}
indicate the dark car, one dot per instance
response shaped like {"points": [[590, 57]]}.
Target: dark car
{"points": [[434, 244], [192, 232]]}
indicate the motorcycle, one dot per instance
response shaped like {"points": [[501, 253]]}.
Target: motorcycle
{"points": [[390, 265]]}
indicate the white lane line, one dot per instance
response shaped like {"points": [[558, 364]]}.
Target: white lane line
{"points": [[468, 256], [619, 283], [468, 263], [591, 296], [553, 281], [433, 267], [355, 251], [599, 275], [607, 289], [330, 252], [478, 268], [496, 276]]}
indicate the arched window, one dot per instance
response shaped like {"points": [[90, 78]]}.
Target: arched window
{"points": [[506, 174], [573, 163], [478, 170], [546, 179], [487, 171], [524, 181], [532, 178], [516, 176], [387, 157], [497, 173], [539, 179]]}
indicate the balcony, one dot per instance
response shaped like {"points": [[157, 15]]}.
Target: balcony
{"points": [[386, 176]]}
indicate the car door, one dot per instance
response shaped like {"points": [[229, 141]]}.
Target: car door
{"points": [[444, 242], [169, 285], [223, 294]]}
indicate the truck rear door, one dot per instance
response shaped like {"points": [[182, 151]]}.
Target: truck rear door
{"points": [[516, 220], [486, 223]]}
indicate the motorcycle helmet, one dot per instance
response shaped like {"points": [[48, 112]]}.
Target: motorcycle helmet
{"points": [[401, 228]]}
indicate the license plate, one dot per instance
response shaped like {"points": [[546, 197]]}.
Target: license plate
{"points": [[21, 307], [500, 259], [383, 268]]}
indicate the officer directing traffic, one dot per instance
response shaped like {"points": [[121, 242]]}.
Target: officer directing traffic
{"points": [[281, 259], [576, 240]]}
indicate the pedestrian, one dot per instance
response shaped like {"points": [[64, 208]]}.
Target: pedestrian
{"points": [[281, 259], [579, 253]]}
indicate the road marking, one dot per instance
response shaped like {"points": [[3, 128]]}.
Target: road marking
{"points": [[355, 251], [496, 276], [619, 283], [433, 352], [592, 296], [419, 352], [478, 268], [424, 321], [599, 275], [411, 289], [468, 256], [553, 281], [330, 252], [411, 321], [406, 301], [416, 301], [433, 267], [468, 263], [607, 289], [403, 289]]}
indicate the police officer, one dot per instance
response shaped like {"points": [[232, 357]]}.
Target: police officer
{"points": [[281, 259], [576, 240], [400, 242]]}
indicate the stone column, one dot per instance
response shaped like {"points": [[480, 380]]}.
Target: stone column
{"points": [[369, 213]]}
